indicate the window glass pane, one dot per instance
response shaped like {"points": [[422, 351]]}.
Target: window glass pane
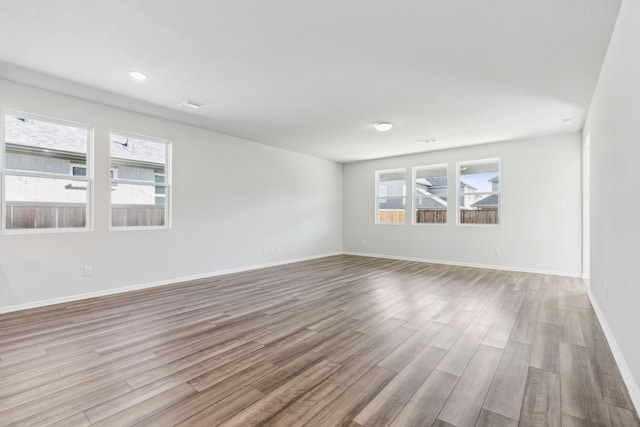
{"points": [[144, 160], [481, 177], [479, 192], [391, 197], [37, 147], [132, 194], [391, 184], [35, 202], [430, 190]]}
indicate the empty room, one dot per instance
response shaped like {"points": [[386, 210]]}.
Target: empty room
{"points": [[319, 213]]}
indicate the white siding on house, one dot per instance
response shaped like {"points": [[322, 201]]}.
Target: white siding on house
{"points": [[138, 174], [27, 162]]}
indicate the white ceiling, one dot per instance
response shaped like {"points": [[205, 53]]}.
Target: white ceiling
{"points": [[312, 75]]}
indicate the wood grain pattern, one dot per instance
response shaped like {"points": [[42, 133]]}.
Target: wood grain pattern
{"points": [[491, 419], [425, 405], [465, 402], [458, 357], [545, 353], [578, 386], [383, 408], [507, 389], [337, 341], [541, 403]]}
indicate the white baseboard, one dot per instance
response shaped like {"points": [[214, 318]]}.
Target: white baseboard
{"points": [[467, 264], [629, 380], [77, 297]]}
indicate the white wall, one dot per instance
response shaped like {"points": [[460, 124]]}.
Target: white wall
{"points": [[231, 199], [538, 176], [614, 131]]}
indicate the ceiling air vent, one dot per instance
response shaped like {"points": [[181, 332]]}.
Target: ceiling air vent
{"points": [[193, 105]]}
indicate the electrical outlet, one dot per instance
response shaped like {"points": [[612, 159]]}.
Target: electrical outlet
{"points": [[87, 271], [277, 249], [497, 252], [364, 243]]}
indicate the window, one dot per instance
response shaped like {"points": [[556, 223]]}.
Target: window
{"points": [[161, 189], [479, 191], [391, 190], [78, 170], [140, 179], [430, 188], [42, 188]]}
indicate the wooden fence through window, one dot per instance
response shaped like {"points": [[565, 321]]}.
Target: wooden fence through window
{"points": [[22, 215], [426, 216], [391, 216], [489, 216], [31, 215], [137, 215]]}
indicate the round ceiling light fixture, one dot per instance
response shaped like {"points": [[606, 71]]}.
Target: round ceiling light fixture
{"points": [[382, 126], [138, 75]]}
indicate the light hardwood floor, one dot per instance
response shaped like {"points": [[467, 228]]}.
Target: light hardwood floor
{"points": [[337, 341]]}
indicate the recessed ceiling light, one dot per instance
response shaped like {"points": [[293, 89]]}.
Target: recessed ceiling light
{"points": [[138, 75], [426, 141], [193, 105], [382, 126]]}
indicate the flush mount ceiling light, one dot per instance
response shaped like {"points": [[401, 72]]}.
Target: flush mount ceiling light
{"points": [[193, 105], [382, 126], [138, 75]]}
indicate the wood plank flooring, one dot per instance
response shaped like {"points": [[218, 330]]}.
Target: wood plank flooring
{"points": [[338, 341]]}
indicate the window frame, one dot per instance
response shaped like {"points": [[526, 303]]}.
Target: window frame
{"points": [[413, 194], [88, 178], [377, 196], [114, 181], [488, 193]]}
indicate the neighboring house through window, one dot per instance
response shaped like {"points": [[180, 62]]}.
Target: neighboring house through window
{"points": [[479, 192], [430, 194], [46, 173], [391, 193]]}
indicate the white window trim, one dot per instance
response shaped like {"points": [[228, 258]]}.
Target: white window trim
{"points": [[4, 172], [413, 195], [472, 162], [167, 184], [377, 197]]}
